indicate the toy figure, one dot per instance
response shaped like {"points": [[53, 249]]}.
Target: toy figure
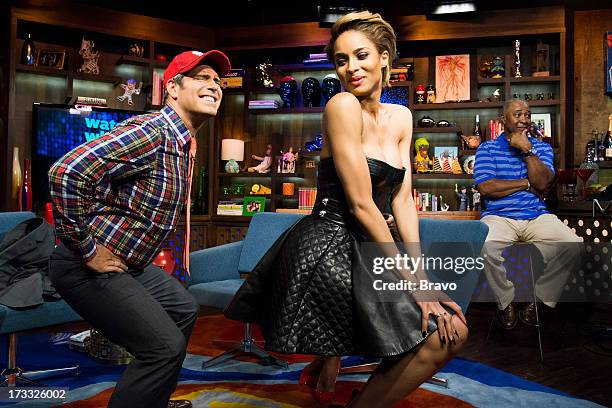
{"points": [[129, 90], [266, 162], [475, 199], [498, 70], [90, 58], [463, 198], [287, 162], [422, 162]]}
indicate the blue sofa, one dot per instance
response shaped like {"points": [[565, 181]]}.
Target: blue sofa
{"points": [[12, 321], [216, 272]]}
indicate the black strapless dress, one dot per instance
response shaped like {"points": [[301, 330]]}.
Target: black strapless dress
{"points": [[302, 293]]}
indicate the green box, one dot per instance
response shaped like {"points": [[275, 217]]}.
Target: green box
{"points": [[253, 205]]}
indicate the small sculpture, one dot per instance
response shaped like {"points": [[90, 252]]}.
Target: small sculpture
{"points": [[431, 94], [90, 58], [136, 50], [422, 162], [485, 66], [463, 197], [475, 199], [330, 87], [311, 92], [266, 162], [263, 76], [498, 70], [315, 145], [426, 121], [288, 91], [286, 164], [129, 90], [496, 96], [517, 59], [419, 94]]}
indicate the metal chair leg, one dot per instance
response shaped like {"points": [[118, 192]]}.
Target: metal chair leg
{"points": [[537, 311], [247, 346], [12, 375]]}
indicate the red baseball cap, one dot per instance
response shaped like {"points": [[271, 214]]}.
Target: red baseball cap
{"points": [[188, 60]]}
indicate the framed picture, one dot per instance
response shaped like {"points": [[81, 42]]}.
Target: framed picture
{"points": [[253, 205], [452, 78], [543, 121], [447, 151], [51, 58]]}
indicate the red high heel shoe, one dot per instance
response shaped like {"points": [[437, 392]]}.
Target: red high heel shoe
{"points": [[324, 397], [310, 373]]}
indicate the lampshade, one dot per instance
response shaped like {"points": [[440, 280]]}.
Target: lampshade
{"points": [[232, 149]]}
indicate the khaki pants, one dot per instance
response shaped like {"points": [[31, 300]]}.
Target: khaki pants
{"points": [[555, 241]]}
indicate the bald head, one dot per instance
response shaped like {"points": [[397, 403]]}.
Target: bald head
{"points": [[517, 116]]}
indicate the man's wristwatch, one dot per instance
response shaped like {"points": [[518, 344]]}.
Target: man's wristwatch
{"points": [[530, 152]]}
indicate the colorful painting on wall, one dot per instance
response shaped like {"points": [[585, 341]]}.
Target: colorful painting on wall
{"points": [[452, 78]]}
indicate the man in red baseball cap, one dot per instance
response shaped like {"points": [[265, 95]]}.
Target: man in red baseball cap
{"points": [[115, 200]]}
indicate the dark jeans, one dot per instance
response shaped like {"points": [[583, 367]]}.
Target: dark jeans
{"points": [[144, 310]]}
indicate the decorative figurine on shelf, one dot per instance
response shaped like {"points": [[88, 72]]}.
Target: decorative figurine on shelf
{"points": [[286, 164], [431, 93], [315, 145], [471, 141], [136, 50], [419, 94], [496, 96], [468, 164], [517, 59], [426, 122], [90, 57], [129, 89], [475, 199], [263, 75], [485, 66], [28, 51], [266, 162], [330, 87], [498, 70], [422, 162], [456, 167], [288, 91], [311, 92], [260, 189], [463, 197]]}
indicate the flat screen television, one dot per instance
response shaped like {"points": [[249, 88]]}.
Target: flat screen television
{"points": [[57, 129]]}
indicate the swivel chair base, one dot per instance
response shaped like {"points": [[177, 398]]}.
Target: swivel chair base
{"points": [[13, 375], [247, 346]]}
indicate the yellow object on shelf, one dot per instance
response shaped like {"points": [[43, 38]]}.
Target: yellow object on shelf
{"points": [[260, 189]]}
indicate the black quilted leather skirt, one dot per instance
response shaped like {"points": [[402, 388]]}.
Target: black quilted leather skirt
{"points": [[302, 295]]}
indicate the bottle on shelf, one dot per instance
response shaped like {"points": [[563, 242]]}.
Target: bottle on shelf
{"points": [[477, 130], [608, 140], [591, 149], [601, 149], [28, 51]]}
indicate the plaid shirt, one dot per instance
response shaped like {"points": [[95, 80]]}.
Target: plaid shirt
{"points": [[125, 189]]}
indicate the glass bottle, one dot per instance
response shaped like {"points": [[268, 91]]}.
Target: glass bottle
{"points": [[608, 141], [28, 51]]}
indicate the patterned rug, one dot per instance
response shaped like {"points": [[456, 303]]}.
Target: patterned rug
{"points": [[244, 383]]}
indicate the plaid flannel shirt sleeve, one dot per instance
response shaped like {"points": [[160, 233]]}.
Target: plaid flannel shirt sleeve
{"points": [[75, 179]]}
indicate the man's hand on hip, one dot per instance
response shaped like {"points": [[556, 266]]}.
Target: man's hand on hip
{"points": [[105, 261]]}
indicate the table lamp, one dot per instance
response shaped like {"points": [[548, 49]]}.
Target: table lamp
{"points": [[232, 150]]}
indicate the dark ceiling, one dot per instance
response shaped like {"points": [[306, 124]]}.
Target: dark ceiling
{"points": [[235, 13]]}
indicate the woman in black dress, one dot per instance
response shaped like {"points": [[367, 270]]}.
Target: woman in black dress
{"points": [[303, 292]]}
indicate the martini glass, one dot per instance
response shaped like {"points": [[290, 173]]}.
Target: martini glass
{"points": [[584, 175]]}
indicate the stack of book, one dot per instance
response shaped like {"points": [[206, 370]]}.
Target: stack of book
{"points": [[320, 58], [157, 96], [427, 201], [306, 197], [229, 208], [264, 104], [495, 128]]}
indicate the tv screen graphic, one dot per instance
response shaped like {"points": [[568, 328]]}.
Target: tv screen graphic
{"points": [[57, 129]]}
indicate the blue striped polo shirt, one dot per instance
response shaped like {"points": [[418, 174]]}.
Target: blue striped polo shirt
{"points": [[497, 159]]}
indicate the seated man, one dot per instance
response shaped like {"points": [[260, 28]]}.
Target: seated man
{"points": [[512, 174]]}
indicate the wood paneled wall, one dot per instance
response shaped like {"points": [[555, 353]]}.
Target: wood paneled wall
{"points": [[591, 106]]}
